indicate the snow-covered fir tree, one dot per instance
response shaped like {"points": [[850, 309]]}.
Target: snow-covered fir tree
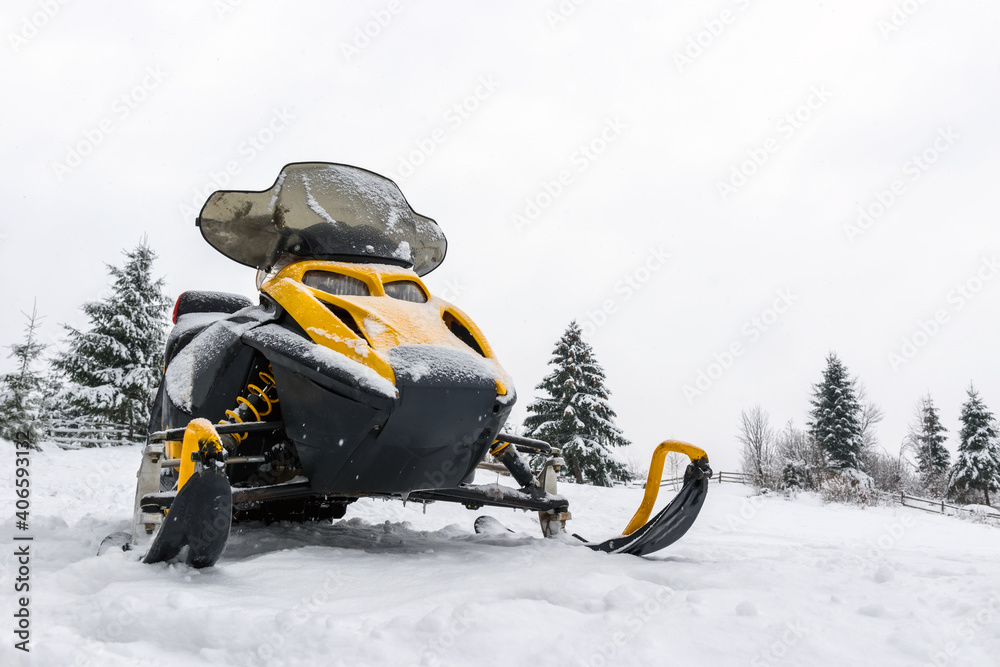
{"points": [[21, 391], [928, 438], [835, 418], [112, 369], [977, 466], [575, 416]]}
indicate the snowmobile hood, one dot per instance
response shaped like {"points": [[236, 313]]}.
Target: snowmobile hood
{"points": [[323, 211], [383, 317]]}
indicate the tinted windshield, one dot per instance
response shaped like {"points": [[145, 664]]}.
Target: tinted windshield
{"points": [[317, 210]]}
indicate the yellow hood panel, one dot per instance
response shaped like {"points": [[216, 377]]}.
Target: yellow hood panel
{"points": [[383, 321]]}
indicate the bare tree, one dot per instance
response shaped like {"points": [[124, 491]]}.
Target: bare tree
{"points": [[757, 439], [638, 470], [676, 465], [871, 415], [889, 473]]}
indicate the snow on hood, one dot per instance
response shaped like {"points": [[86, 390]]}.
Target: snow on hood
{"points": [[321, 359], [438, 364]]}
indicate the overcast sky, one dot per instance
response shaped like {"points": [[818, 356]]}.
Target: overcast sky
{"points": [[750, 184]]}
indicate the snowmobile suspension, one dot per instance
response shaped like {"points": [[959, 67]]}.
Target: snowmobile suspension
{"points": [[260, 404], [506, 448], [517, 466], [552, 519]]}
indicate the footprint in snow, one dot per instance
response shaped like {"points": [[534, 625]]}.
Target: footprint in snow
{"points": [[873, 610]]}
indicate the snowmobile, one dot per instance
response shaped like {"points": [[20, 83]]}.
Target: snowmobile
{"points": [[347, 380]]}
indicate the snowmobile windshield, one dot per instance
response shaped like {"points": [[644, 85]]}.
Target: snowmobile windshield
{"points": [[317, 210]]}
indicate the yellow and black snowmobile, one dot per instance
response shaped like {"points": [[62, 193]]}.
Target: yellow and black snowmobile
{"points": [[347, 380]]}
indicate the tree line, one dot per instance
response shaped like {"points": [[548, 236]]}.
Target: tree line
{"points": [[103, 375], [107, 374], [837, 453]]}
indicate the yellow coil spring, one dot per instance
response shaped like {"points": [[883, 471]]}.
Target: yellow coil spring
{"points": [[263, 394]]}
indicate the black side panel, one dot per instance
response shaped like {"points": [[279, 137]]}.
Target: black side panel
{"points": [[216, 387], [205, 377], [437, 435], [328, 429], [432, 440], [207, 364]]}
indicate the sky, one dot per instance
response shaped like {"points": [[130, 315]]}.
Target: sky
{"points": [[720, 193]]}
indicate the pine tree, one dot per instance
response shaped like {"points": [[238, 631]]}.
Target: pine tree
{"points": [[20, 404], [576, 416], [835, 419], [928, 438], [978, 465], [112, 370]]}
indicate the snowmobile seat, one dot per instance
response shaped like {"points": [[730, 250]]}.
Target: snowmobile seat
{"points": [[209, 302], [210, 306]]}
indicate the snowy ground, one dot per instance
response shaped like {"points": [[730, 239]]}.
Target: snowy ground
{"points": [[755, 582]]}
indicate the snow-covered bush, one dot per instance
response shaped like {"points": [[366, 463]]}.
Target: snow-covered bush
{"points": [[799, 463], [890, 474], [981, 514], [795, 475], [848, 485]]}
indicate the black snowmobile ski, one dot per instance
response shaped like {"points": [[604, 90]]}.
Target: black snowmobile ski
{"points": [[670, 524], [199, 519], [120, 541], [487, 525]]}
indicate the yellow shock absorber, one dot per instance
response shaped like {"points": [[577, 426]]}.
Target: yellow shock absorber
{"points": [[245, 407], [656, 475]]}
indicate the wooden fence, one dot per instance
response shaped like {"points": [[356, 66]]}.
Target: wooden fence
{"points": [[77, 435], [941, 507], [732, 477], [925, 504]]}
